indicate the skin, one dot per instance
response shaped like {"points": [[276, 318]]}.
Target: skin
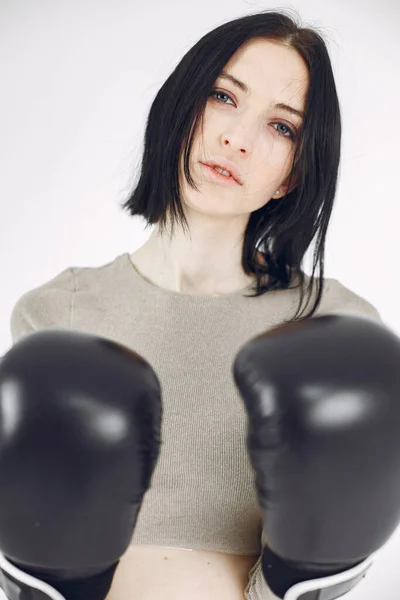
{"points": [[256, 137]]}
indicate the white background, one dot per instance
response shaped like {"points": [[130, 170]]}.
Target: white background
{"points": [[77, 82]]}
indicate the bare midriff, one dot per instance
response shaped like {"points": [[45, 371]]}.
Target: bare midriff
{"points": [[155, 572]]}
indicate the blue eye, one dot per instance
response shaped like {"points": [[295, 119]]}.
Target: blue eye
{"points": [[216, 93]]}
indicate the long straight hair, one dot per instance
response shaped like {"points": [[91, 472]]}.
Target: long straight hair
{"points": [[282, 229]]}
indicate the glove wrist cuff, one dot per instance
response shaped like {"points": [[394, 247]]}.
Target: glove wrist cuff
{"points": [[18, 584], [288, 583]]}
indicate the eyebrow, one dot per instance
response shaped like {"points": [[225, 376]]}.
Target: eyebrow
{"points": [[242, 86]]}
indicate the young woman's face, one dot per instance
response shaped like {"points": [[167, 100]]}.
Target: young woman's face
{"points": [[246, 128]]}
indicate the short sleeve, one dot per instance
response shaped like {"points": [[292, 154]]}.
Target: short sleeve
{"points": [[48, 306], [339, 299]]}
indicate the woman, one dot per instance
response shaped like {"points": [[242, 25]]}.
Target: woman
{"points": [[256, 97]]}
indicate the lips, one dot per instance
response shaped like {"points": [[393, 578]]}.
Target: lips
{"points": [[227, 165]]}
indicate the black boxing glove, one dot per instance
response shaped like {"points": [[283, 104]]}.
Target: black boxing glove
{"points": [[80, 421], [323, 401]]}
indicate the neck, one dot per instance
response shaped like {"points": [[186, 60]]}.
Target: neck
{"points": [[187, 266]]}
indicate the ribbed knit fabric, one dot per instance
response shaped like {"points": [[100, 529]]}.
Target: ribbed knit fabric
{"points": [[202, 494]]}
